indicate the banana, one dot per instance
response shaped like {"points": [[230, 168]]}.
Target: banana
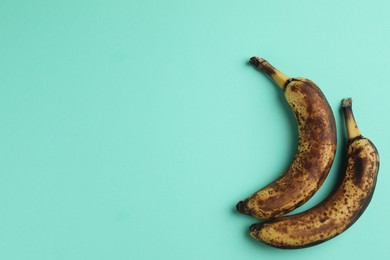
{"points": [[315, 152], [337, 212]]}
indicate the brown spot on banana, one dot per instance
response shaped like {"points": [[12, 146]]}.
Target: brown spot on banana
{"points": [[315, 152], [337, 212]]}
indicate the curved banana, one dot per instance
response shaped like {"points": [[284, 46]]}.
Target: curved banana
{"points": [[341, 209], [314, 155]]}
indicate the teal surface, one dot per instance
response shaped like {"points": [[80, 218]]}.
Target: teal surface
{"points": [[130, 129]]}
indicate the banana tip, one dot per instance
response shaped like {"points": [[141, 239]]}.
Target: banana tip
{"points": [[241, 207], [255, 61], [347, 102], [255, 227]]}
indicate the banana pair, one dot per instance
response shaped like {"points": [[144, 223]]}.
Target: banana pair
{"points": [[310, 167]]}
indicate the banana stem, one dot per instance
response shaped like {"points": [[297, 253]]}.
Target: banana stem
{"points": [[352, 129], [280, 78]]}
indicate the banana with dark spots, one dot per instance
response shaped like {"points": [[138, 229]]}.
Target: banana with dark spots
{"points": [[341, 209], [314, 155]]}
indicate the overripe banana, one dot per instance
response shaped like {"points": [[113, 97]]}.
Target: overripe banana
{"points": [[315, 151], [341, 209]]}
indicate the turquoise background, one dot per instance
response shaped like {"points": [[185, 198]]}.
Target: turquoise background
{"points": [[130, 129]]}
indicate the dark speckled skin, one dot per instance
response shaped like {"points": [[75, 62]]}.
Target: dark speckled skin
{"points": [[336, 213], [314, 155]]}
